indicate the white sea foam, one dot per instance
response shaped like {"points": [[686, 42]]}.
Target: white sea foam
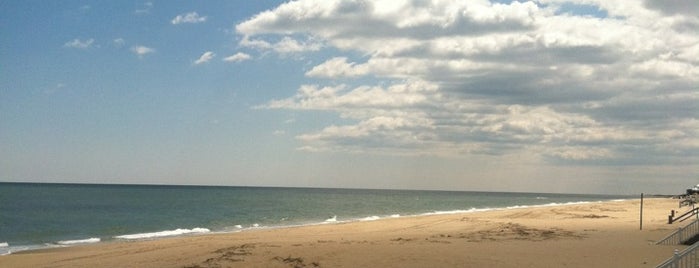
{"points": [[370, 218], [238, 226], [81, 241], [395, 216], [164, 233], [471, 210], [458, 211], [255, 225], [7, 250], [551, 205], [333, 219]]}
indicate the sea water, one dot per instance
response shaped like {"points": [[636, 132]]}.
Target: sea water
{"points": [[36, 216]]}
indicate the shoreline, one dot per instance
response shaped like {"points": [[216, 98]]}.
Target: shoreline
{"points": [[197, 231], [109, 212], [576, 235]]}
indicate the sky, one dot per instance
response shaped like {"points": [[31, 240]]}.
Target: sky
{"points": [[580, 96]]}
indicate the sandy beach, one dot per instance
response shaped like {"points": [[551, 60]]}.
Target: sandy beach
{"points": [[604, 234]]}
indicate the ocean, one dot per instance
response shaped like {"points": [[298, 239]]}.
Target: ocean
{"points": [[34, 216]]}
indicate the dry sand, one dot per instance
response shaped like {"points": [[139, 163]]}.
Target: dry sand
{"points": [[582, 235]]}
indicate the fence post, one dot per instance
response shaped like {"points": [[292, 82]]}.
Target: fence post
{"points": [[676, 259], [669, 217], [641, 228]]}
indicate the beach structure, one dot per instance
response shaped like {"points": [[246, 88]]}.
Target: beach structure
{"points": [[687, 235], [688, 257], [681, 259], [693, 190], [690, 198]]}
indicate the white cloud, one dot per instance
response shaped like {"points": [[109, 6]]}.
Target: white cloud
{"points": [[336, 67], [142, 50], [204, 58], [284, 46], [53, 90], [289, 45], [237, 57], [312, 97], [145, 9], [415, 116], [191, 17], [80, 44], [490, 78], [119, 42]]}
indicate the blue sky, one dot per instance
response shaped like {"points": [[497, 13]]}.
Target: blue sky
{"points": [[544, 96]]}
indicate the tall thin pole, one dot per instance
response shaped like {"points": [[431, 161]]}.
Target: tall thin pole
{"points": [[641, 211]]}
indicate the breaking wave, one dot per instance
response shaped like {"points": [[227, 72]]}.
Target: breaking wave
{"points": [[163, 233], [80, 241]]}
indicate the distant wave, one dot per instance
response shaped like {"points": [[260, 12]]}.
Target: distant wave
{"points": [[80, 241], [471, 210], [163, 233], [5, 249], [333, 219], [370, 218], [458, 211], [551, 204]]}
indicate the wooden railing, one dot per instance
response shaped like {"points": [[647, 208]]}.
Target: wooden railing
{"points": [[671, 218], [681, 235], [686, 258]]}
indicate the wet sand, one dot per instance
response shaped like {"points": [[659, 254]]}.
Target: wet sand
{"points": [[604, 234]]}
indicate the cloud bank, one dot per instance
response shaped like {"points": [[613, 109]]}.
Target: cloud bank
{"points": [[541, 78]]}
